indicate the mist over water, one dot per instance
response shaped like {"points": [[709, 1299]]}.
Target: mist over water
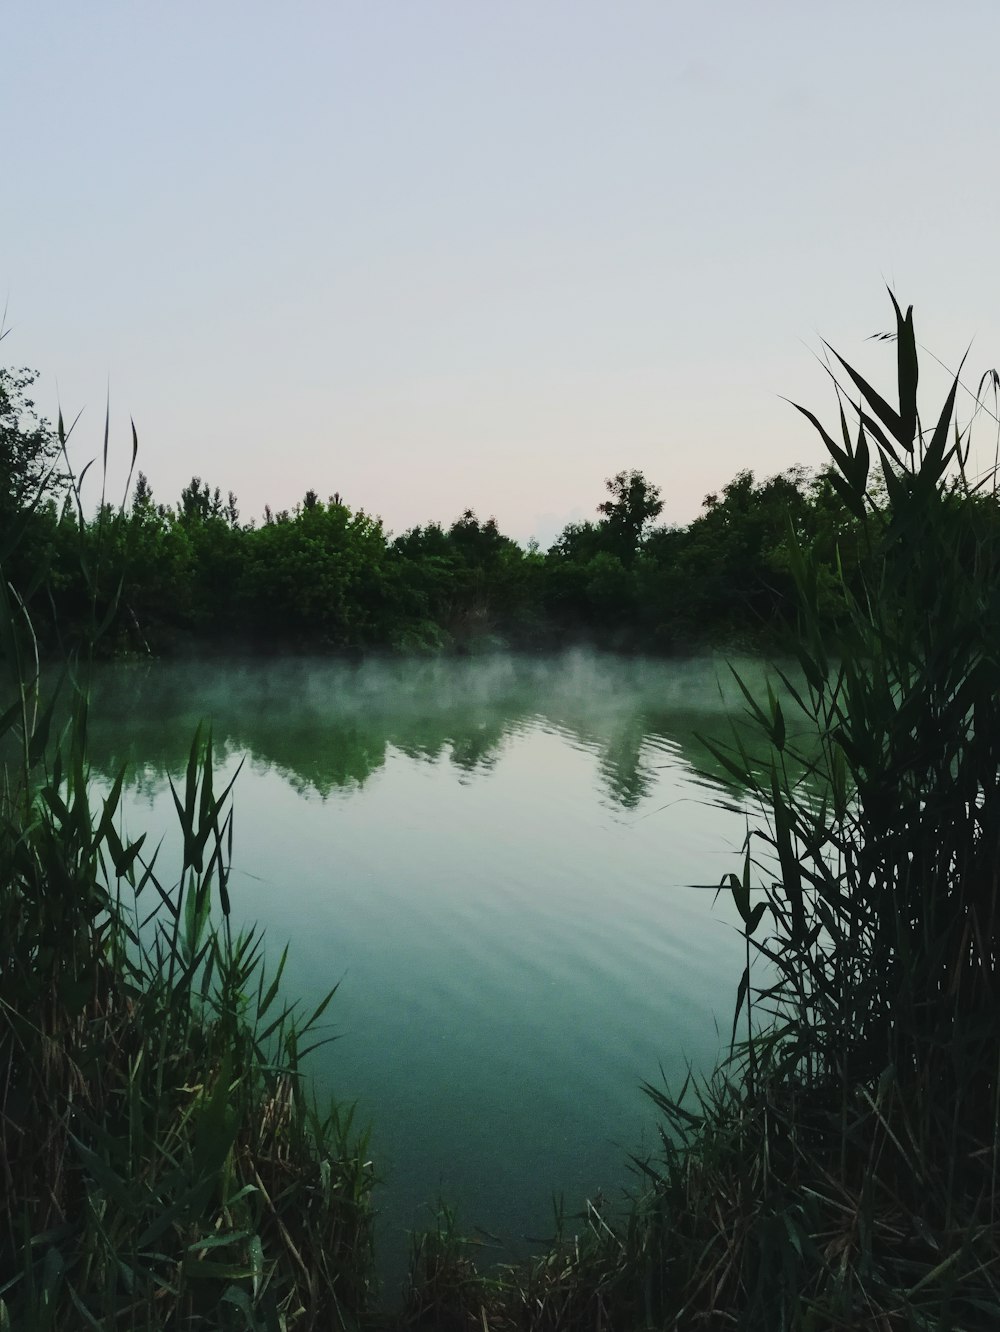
{"points": [[492, 859]]}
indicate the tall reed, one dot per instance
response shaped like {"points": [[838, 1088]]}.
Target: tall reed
{"points": [[882, 897], [163, 1163], [840, 1169], [875, 907]]}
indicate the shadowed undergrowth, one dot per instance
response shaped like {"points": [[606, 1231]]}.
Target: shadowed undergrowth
{"points": [[840, 1169], [163, 1162], [164, 1165]]}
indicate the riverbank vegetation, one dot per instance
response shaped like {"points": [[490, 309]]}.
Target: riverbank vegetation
{"points": [[163, 1161], [838, 1171], [192, 575]]}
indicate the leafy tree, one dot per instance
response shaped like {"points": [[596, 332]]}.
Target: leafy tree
{"points": [[479, 544], [730, 573], [633, 505], [316, 578], [30, 485], [579, 542], [142, 494], [199, 502], [29, 449]]}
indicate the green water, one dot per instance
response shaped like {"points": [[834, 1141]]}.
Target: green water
{"points": [[492, 859]]}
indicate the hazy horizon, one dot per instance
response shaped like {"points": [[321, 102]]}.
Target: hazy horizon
{"points": [[442, 257]]}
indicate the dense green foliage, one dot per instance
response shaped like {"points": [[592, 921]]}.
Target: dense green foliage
{"points": [[840, 1170], [872, 912], [327, 578], [163, 1162]]}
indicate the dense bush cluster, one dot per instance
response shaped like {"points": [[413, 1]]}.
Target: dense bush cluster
{"points": [[326, 577], [840, 1169], [162, 1162]]}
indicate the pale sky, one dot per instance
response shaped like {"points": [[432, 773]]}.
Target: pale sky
{"points": [[436, 254]]}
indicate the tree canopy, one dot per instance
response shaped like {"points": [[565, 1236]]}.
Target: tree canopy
{"points": [[323, 576], [29, 449]]}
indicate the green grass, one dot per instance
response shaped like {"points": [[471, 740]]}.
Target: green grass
{"points": [[840, 1169], [164, 1165], [163, 1161]]}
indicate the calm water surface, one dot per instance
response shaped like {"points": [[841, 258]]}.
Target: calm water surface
{"points": [[492, 859]]}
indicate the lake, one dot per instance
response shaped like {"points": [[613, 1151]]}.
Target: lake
{"points": [[493, 859]]}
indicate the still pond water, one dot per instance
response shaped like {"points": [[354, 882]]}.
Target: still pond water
{"points": [[493, 860]]}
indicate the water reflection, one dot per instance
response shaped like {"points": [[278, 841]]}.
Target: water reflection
{"points": [[328, 728], [491, 857]]}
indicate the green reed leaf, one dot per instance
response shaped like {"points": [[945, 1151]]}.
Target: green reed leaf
{"points": [[907, 371], [886, 414]]}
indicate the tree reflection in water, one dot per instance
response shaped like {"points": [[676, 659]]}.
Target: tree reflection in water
{"points": [[327, 727]]}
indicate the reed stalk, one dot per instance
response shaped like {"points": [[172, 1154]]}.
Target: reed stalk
{"points": [[839, 1170], [162, 1161]]}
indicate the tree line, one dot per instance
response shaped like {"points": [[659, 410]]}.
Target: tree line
{"points": [[168, 577]]}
